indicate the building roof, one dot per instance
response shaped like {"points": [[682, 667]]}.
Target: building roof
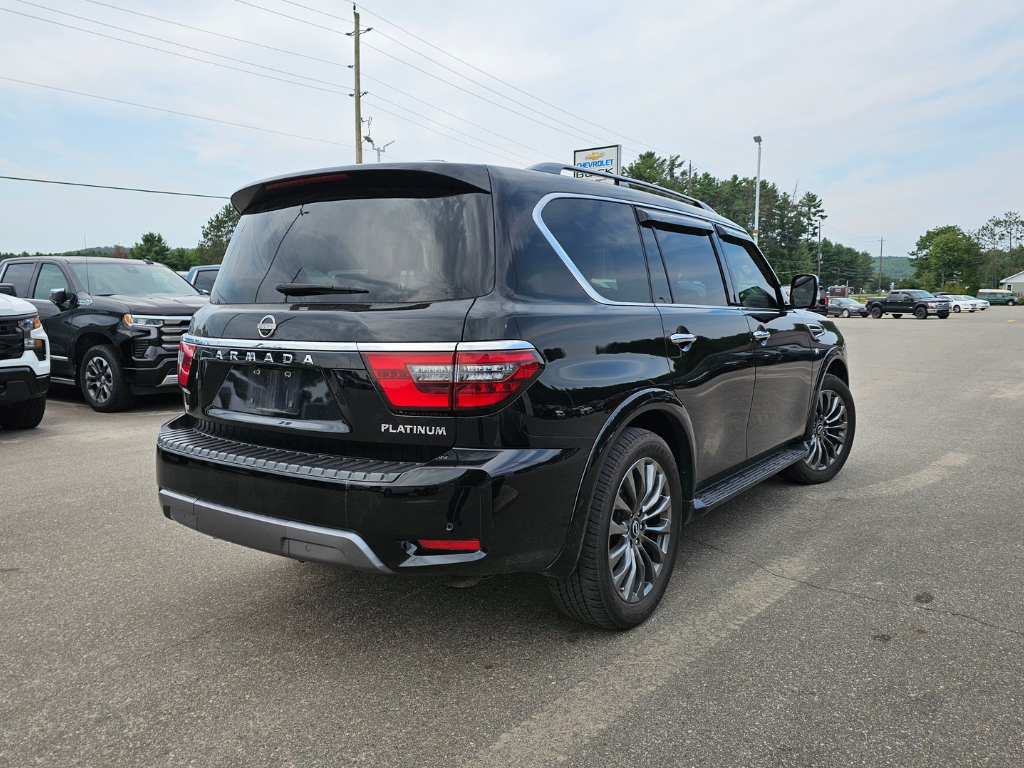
{"points": [[1017, 278]]}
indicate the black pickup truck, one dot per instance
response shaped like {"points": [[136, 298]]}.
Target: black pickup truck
{"points": [[920, 304]]}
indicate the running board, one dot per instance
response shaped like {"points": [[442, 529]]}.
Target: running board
{"points": [[736, 484]]}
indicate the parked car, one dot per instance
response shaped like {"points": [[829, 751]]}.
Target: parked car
{"points": [[899, 303], [203, 277], [982, 303], [846, 307], [472, 370], [24, 363], [963, 303], [997, 296], [113, 324]]}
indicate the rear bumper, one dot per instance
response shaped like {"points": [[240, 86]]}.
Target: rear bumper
{"points": [[20, 384], [367, 514]]}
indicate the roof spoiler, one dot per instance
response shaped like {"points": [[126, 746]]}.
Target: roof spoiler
{"points": [[557, 168]]}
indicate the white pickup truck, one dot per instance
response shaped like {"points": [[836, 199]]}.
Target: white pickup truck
{"points": [[24, 363]]}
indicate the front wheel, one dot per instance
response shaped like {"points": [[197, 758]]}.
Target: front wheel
{"points": [[629, 547], [835, 422], [876, 312], [103, 382], [921, 313], [24, 415], [957, 309], [846, 313], [1010, 303]]}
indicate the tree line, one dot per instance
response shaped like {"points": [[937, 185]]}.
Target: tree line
{"points": [[216, 234]]}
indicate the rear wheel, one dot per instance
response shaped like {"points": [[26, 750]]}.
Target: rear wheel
{"points": [[921, 313], [103, 381], [835, 422], [24, 415], [629, 546], [876, 312]]}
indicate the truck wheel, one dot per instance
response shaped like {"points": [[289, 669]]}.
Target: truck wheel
{"points": [[943, 315], [103, 382], [956, 308], [24, 415], [921, 313], [897, 317], [846, 313], [835, 422], [629, 547], [876, 312]]}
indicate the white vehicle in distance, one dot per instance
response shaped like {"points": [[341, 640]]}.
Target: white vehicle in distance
{"points": [[964, 303], [24, 362]]}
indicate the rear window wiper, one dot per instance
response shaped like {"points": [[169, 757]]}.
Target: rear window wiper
{"points": [[314, 289]]}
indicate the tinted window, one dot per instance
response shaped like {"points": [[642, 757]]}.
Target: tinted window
{"points": [[50, 277], [692, 268], [389, 249], [18, 275], [603, 242], [131, 278], [205, 279], [752, 285]]}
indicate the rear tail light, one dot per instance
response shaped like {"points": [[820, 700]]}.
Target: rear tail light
{"points": [[450, 545], [480, 380], [185, 353]]}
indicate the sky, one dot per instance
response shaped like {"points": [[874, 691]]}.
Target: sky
{"points": [[901, 116]]}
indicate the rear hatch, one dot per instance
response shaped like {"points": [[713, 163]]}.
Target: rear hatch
{"points": [[338, 306]]}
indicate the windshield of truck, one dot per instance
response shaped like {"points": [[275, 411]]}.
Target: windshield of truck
{"points": [[131, 278], [358, 251]]}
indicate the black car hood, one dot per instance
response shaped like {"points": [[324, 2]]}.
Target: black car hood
{"points": [[161, 305]]}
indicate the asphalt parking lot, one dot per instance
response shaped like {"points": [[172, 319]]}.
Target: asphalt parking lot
{"points": [[874, 620]]}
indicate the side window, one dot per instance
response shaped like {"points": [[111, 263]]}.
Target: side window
{"points": [[50, 277], [205, 279], [752, 285], [19, 275], [603, 242], [692, 268]]}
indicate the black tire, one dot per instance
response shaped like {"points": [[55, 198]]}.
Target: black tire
{"points": [[897, 317], [1011, 302], [876, 312], [802, 472], [943, 315], [921, 313], [956, 308], [589, 593], [846, 313], [102, 380], [24, 415]]}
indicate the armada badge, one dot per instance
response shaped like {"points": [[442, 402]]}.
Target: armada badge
{"points": [[267, 326]]}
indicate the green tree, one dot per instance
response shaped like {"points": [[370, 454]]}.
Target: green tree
{"points": [[946, 257], [216, 235], [151, 246]]}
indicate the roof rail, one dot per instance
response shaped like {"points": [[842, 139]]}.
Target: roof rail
{"points": [[557, 168]]}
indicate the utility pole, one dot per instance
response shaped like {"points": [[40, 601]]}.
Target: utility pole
{"points": [[355, 35], [757, 190], [881, 244], [689, 179], [819, 249]]}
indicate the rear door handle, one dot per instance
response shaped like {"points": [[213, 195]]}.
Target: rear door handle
{"points": [[762, 335], [684, 340]]}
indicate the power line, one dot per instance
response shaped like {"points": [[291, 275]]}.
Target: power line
{"points": [[280, 71], [121, 189], [502, 153], [176, 112]]}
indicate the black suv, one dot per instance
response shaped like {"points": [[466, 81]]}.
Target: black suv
{"points": [[114, 324], [441, 368]]}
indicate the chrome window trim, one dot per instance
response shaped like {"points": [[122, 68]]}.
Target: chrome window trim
{"points": [[539, 221], [176, 318], [362, 346]]}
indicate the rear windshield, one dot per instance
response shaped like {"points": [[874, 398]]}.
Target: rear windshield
{"points": [[386, 249]]}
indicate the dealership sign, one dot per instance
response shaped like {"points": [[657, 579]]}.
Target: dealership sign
{"points": [[604, 159]]}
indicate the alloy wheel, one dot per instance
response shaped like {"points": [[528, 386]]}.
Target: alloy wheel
{"points": [[639, 531], [99, 379], [828, 440]]}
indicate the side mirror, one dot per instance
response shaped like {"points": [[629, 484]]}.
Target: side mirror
{"points": [[803, 291], [8, 289], [58, 296], [204, 292]]}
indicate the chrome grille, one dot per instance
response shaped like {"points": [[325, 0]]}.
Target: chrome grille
{"points": [[171, 332]]}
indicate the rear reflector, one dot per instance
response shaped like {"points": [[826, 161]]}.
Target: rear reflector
{"points": [[185, 353], [478, 381], [450, 545], [307, 180]]}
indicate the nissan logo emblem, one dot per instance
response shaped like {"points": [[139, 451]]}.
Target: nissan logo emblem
{"points": [[267, 326]]}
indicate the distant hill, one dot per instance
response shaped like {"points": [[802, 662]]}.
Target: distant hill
{"points": [[895, 266], [101, 250]]}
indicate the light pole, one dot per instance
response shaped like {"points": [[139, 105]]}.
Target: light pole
{"points": [[757, 190]]}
